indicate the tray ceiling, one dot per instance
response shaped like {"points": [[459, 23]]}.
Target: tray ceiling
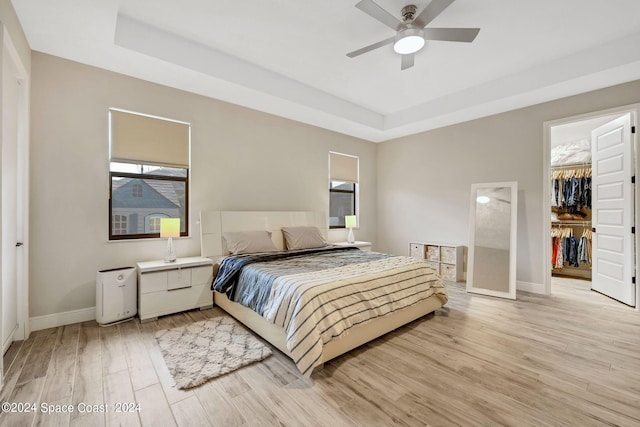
{"points": [[288, 58]]}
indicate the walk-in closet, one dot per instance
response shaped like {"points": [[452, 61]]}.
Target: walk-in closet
{"points": [[571, 235], [592, 210]]}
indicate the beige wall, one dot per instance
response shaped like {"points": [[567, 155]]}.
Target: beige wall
{"points": [[413, 188], [424, 180], [241, 160]]}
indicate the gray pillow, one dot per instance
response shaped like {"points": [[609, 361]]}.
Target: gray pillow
{"points": [[303, 237], [249, 242]]}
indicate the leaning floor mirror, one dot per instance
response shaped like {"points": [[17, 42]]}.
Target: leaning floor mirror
{"points": [[492, 239]]}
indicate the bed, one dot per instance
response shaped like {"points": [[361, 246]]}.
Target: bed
{"points": [[313, 308]]}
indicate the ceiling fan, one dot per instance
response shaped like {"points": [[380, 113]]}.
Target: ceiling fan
{"points": [[411, 32]]}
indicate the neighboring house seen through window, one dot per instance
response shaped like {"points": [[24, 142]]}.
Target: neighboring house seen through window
{"points": [[343, 188], [149, 174]]}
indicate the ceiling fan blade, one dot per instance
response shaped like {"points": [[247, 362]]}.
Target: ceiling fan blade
{"points": [[430, 12], [407, 61], [451, 34], [372, 9], [371, 47]]}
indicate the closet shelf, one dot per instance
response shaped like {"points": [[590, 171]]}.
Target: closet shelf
{"points": [[571, 222], [572, 165]]}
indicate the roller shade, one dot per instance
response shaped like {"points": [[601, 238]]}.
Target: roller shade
{"points": [[147, 140], [343, 167]]}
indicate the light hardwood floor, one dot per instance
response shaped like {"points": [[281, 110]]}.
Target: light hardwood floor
{"points": [[571, 359]]}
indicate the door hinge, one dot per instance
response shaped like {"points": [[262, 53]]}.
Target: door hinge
{"points": [[593, 229], [633, 280], [633, 179], [633, 230], [633, 129]]}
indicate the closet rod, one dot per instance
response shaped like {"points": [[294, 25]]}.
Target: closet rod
{"points": [[572, 165], [570, 222]]}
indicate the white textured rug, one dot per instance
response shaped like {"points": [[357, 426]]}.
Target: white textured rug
{"points": [[203, 350]]}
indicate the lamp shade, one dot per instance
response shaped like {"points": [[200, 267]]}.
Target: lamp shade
{"points": [[409, 41], [350, 221], [169, 227]]}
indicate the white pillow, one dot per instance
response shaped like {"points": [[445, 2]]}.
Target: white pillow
{"points": [[303, 237], [249, 242]]}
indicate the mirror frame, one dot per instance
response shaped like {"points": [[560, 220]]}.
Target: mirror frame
{"points": [[513, 240]]}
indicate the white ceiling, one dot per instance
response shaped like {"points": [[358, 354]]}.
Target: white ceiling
{"points": [[288, 57]]}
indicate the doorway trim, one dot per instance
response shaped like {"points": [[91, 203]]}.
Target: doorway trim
{"points": [[633, 110], [22, 255]]}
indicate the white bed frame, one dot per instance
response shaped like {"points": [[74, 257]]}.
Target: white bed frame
{"points": [[214, 223]]}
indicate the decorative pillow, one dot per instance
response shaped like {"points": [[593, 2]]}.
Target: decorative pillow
{"points": [[303, 237], [249, 242]]}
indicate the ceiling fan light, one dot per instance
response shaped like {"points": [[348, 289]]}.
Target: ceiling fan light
{"points": [[409, 41]]}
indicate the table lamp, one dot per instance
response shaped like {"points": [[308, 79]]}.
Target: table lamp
{"points": [[170, 227], [350, 222]]}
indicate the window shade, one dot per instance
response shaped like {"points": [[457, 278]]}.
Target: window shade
{"points": [[343, 167], [147, 140]]}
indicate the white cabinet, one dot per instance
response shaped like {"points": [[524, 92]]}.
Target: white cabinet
{"points": [[365, 246], [165, 288], [447, 260]]}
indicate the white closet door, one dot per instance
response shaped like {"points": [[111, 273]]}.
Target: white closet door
{"points": [[612, 213]]}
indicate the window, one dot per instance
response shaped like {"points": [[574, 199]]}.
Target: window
{"points": [[149, 174], [119, 225], [152, 223], [137, 190], [343, 188], [342, 202]]}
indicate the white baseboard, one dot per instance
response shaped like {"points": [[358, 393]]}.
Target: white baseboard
{"points": [[85, 314], [536, 288], [60, 319]]}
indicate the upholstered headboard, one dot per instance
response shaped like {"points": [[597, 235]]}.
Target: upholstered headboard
{"points": [[214, 223]]}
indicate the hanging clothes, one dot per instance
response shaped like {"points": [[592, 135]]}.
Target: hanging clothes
{"points": [[571, 188], [573, 251], [584, 248], [586, 192], [568, 250], [571, 201], [558, 259]]}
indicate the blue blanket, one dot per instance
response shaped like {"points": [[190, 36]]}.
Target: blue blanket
{"points": [[254, 288]]}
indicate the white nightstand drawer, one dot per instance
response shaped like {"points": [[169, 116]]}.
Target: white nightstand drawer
{"points": [[161, 303], [201, 275], [153, 282], [180, 278]]}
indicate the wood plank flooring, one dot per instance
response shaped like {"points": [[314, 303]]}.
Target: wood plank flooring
{"points": [[572, 359]]}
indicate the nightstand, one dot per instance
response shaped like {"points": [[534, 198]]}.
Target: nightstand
{"points": [[170, 287], [365, 246]]}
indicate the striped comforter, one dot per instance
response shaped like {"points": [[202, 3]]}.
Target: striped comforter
{"points": [[321, 295]]}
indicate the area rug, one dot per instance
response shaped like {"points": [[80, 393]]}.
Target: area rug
{"points": [[204, 350]]}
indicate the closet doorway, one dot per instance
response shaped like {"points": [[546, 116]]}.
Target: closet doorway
{"points": [[591, 210]]}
